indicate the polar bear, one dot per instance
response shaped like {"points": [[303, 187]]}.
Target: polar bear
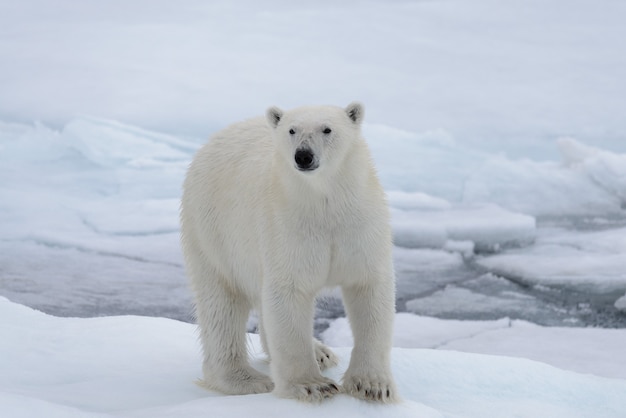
{"points": [[273, 210]]}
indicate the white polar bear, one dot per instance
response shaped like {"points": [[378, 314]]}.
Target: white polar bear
{"points": [[274, 210]]}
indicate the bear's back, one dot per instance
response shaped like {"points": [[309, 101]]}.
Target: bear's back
{"points": [[220, 202], [232, 156]]}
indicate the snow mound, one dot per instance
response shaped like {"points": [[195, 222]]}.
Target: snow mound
{"points": [[416, 201], [146, 367], [109, 143], [607, 170], [591, 261], [588, 181], [488, 227], [584, 350], [539, 188], [99, 180]]}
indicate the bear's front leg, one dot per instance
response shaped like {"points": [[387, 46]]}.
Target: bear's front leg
{"points": [[287, 318], [371, 310]]}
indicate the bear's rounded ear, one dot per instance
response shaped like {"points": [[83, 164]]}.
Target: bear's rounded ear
{"points": [[274, 115], [355, 112]]}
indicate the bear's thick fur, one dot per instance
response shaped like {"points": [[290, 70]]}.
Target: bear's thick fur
{"points": [[274, 209]]}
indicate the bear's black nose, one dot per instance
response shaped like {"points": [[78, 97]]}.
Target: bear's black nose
{"points": [[305, 159]]}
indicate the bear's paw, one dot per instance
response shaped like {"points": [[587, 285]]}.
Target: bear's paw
{"points": [[324, 356], [243, 381], [311, 390], [370, 388]]}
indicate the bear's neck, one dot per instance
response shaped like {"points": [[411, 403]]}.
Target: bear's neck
{"points": [[328, 192]]}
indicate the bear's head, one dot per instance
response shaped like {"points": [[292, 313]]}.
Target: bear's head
{"points": [[315, 138]]}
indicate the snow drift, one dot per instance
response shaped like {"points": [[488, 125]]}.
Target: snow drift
{"points": [[146, 367]]}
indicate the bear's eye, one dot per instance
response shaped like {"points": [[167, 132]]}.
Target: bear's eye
{"points": [[292, 131], [327, 131]]}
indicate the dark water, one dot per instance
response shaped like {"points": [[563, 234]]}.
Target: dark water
{"points": [[492, 297]]}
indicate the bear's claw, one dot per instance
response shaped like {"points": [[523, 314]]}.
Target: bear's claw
{"points": [[324, 356]]}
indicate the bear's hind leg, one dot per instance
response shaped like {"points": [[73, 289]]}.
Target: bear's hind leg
{"points": [[263, 337], [324, 355], [222, 314]]}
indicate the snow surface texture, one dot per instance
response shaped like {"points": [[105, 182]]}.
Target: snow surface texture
{"points": [[146, 367], [584, 350]]}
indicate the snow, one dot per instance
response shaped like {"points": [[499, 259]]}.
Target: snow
{"points": [[146, 367], [605, 169], [487, 226], [584, 350], [590, 260]]}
